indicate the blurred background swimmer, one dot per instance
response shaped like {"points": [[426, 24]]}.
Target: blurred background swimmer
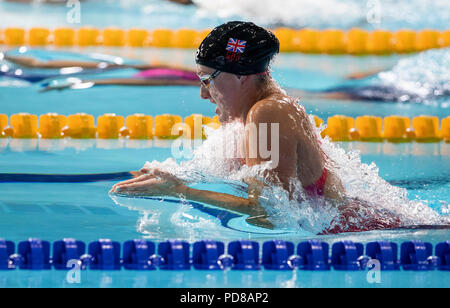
{"points": [[183, 2], [148, 75]]}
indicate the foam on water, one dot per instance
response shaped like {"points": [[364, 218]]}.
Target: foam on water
{"points": [[211, 163]]}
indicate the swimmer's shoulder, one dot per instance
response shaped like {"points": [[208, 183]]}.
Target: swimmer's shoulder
{"points": [[273, 109]]}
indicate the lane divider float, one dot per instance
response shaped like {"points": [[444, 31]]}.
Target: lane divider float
{"points": [[367, 128]]}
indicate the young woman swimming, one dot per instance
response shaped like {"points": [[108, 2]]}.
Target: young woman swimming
{"points": [[233, 67]]}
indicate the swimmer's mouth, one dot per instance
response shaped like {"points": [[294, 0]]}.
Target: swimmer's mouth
{"points": [[219, 115]]}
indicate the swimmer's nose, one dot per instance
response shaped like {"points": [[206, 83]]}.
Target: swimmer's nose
{"points": [[204, 93]]}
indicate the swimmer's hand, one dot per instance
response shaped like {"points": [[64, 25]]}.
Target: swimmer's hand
{"points": [[137, 174], [151, 183]]}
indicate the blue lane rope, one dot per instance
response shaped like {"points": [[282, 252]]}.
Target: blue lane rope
{"points": [[140, 254]]}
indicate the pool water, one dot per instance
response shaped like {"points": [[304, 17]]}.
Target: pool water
{"points": [[84, 211]]}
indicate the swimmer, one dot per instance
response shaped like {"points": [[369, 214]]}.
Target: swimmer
{"points": [[233, 66], [151, 77]]}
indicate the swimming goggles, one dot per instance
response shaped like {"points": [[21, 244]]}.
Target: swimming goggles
{"points": [[207, 79]]}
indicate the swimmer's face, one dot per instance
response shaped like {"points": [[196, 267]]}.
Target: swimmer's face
{"points": [[225, 91]]}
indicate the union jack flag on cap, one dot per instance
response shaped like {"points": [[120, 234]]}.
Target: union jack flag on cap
{"points": [[235, 45]]}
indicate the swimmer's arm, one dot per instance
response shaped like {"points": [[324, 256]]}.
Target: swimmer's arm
{"points": [[184, 2], [35, 63], [226, 201], [143, 67], [286, 168], [362, 75], [250, 206], [324, 94]]}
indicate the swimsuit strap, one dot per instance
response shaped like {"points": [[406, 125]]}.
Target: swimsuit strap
{"points": [[320, 184], [318, 188]]}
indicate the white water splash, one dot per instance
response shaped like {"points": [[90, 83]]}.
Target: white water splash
{"points": [[361, 181]]}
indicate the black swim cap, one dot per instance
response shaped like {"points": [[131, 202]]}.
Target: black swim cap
{"points": [[237, 47]]}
